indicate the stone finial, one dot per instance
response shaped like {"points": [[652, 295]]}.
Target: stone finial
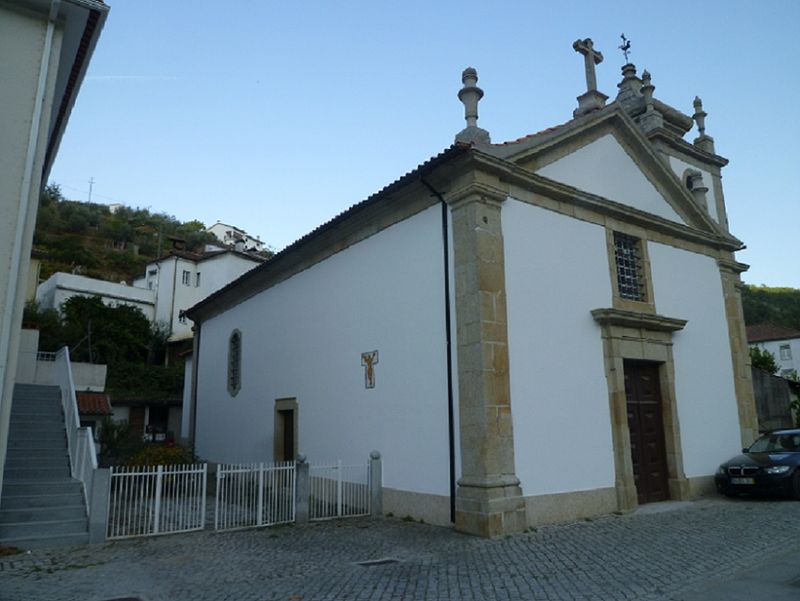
{"points": [[470, 94], [694, 181], [592, 100], [703, 141], [375, 454], [647, 90], [699, 115], [651, 118], [628, 74], [301, 458]]}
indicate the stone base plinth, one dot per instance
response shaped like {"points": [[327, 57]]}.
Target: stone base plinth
{"points": [[590, 101], [490, 509]]}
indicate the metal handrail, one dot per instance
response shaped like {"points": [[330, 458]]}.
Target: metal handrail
{"points": [[80, 442]]}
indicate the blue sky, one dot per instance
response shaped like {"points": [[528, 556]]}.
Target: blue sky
{"points": [[276, 116]]}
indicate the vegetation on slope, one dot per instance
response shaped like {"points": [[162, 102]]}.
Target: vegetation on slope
{"points": [[86, 238], [763, 304]]}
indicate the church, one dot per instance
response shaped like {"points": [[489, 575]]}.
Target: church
{"points": [[532, 331]]}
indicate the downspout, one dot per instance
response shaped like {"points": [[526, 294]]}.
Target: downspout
{"points": [[193, 392], [448, 348], [24, 208], [172, 304]]}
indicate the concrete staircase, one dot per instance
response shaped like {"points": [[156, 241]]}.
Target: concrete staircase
{"points": [[41, 505]]}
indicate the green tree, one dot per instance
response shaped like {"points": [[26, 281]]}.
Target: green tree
{"points": [[763, 359], [98, 333]]}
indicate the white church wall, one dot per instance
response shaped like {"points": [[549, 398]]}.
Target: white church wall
{"points": [[680, 167], [556, 272], [688, 286], [303, 339], [604, 168]]}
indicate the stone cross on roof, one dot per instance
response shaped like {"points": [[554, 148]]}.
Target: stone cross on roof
{"points": [[591, 57], [592, 99]]}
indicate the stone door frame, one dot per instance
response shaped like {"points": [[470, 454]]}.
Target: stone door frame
{"points": [[634, 336]]}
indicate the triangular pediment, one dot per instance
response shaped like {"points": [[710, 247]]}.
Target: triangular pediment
{"points": [[606, 155]]}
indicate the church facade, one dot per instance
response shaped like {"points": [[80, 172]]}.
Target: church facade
{"points": [[534, 331]]}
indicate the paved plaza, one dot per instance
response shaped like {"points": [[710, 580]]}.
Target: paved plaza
{"points": [[670, 552]]}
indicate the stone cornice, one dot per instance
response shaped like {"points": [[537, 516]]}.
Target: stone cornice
{"points": [[732, 265], [524, 178], [634, 319], [476, 192], [613, 119], [683, 146]]}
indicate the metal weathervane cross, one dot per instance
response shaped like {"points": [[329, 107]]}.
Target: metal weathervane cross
{"points": [[625, 46]]}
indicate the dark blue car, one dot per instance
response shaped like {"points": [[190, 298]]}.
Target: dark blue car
{"points": [[771, 466]]}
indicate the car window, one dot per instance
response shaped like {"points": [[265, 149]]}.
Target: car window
{"points": [[776, 443]]}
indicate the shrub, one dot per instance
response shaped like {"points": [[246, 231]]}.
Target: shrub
{"points": [[157, 454]]}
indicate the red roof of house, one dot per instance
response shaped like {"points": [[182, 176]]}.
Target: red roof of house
{"points": [[762, 332], [93, 403]]}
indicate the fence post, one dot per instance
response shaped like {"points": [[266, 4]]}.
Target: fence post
{"points": [[157, 510], [98, 505], [376, 484], [301, 490]]}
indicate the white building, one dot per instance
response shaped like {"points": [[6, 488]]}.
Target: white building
{"points": [[170, 285], [182, 279], [45, 48], [232, 236], [538, 330], [783, 343], [60, 287]]}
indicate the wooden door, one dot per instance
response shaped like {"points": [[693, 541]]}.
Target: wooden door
{"points": [[646, 426], [287, 417]]}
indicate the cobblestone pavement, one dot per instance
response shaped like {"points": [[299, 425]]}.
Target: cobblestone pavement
{"points": [[642, 556]]}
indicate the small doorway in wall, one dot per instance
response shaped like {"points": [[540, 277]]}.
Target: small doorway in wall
{"points": [[285, 431], [136, 421], [646, 427]]}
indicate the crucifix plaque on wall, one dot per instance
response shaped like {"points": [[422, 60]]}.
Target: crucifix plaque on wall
{"points": [[368, 361]]}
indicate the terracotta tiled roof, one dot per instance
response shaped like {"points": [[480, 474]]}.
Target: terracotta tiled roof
{"points": [[529, 136], [93, 403], [762, 332]]}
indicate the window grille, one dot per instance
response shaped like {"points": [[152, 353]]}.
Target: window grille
{"points": [[235, 363], [786, 352], [185, 277], [628, 257]]}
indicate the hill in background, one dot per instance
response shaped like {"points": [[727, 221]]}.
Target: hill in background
{"points": [[88, 239], [763, 304]]}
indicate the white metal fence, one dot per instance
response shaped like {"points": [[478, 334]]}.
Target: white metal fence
{"points": [[145, 501], [338, 490], [255, 494]]}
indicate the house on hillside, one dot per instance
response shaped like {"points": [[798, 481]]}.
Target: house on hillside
{"points": [[60, 287], [169, 285], [235, 237], [783, 343], [529, 331], [182, 278]]}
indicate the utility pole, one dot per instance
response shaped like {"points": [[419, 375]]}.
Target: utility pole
{"points": [[91, 184]]}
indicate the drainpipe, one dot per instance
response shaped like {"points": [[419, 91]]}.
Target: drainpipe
{"points": [[193, 392], [448, 348], [24, 208]]}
